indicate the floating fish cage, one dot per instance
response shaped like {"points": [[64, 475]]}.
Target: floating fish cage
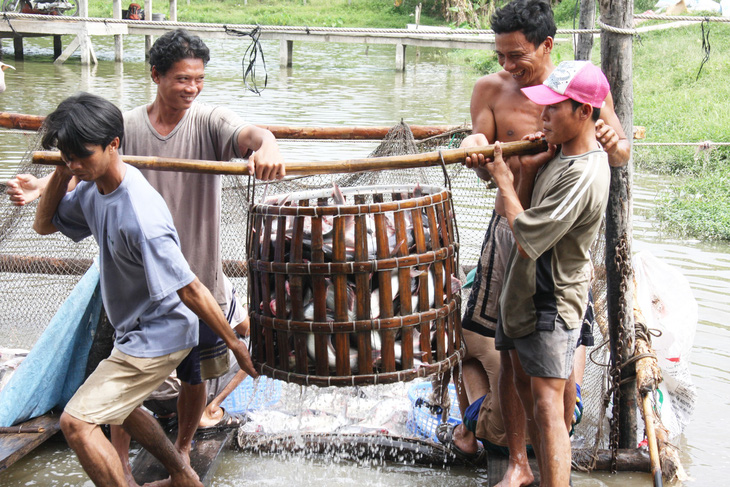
{"points": [[354, 286]]}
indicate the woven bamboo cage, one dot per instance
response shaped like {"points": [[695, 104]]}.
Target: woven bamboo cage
{"points": [[353, 294]]}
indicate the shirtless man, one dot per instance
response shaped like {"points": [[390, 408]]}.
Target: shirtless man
{"points": [[501, 112]]}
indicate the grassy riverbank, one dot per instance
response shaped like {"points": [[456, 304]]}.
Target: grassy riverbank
{"points": [[673, 98], [320, 13]]}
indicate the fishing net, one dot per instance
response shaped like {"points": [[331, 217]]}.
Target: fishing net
{"points": [[37, 273]]}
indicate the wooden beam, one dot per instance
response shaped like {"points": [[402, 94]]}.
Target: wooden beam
{"points": [[584, 41], [286, 47], [33, 122], [118, 38], [148, 38], [18, 48], [616, 62], [70, 49]]}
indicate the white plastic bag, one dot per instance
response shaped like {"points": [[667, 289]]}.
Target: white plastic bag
{"points": [[665, 298]]}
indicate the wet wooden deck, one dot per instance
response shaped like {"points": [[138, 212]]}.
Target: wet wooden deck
{"points": [[207, 447], [14, 446]]}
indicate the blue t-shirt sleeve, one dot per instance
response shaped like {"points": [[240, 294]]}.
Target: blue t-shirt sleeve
{"points": [[165, 267], [69, 218]]}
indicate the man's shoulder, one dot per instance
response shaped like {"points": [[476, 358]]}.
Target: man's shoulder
{"points": [[495, 83]]}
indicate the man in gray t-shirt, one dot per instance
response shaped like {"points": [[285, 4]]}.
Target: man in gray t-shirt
{"points": [[175, 125]]}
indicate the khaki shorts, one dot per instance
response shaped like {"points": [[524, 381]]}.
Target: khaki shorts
{"points": [[482, 307], [489, 424], [119, 385]]}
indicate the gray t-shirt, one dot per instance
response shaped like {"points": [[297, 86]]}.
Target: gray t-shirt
{"points": [[142, 266], [207, 133], [568, 202]]}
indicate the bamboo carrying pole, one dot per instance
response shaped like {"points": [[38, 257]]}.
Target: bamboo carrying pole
{"points": [[21, 121], [426, 159]]}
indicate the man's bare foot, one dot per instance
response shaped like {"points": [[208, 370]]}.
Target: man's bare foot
{"points": [[186, 478], [129, 477], [518, 474], [211, 417], [465, 440]]}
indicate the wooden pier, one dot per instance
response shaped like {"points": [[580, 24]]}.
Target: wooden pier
{"points": [[84, 28]]}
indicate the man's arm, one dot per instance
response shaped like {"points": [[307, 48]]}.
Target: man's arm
{"points": [[483, 125], [266, 162], [611, 135], [503, 177], [24, 188], [198, 298], [529, 167], [55, 189]]}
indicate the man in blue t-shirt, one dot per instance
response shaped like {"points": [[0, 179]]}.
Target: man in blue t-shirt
{"points": [[150, 294]]}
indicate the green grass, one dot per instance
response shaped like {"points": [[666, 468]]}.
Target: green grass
{"points": [[670, 99], [319, 13], [699, 207]]}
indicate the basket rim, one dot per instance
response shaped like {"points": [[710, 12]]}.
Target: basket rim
{"points": [[422, 370], [434, 195]]}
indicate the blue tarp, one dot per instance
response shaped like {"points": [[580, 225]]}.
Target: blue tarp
{"points": [[55, 367]]}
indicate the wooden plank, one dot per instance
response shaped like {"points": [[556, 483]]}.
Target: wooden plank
{"points": [[204, 457], [14, 446]]}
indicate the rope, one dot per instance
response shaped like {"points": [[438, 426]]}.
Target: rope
{"points": [[252, 52], [615, 30], [705, 45], [700, 145], [679, 18]]}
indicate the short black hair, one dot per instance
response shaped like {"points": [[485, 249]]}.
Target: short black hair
{"points": [[80, 120], [596, 111], [534, 18], [175, 45]]}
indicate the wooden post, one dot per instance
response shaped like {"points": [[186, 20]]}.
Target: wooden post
{"points": [[285, 53], [118, 38], [400, 57], [173, 10], [616, 62], [83, 8], [57, 46], [147, 38], [18, 48], [584, 42]]}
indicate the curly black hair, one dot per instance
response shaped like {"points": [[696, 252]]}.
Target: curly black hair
{"points": [[534, 18], [174, 46]]}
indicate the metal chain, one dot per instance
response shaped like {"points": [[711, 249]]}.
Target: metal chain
{"points": [[623, 266]]}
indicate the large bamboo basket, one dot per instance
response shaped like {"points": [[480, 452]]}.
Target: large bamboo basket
{"points": [[334, 338]]}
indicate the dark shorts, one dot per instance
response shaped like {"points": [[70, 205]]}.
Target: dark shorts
{"points": [[209, 359], [481, 311]]}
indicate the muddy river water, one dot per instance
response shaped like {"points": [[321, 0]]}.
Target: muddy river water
{"points": [[337, 84]]}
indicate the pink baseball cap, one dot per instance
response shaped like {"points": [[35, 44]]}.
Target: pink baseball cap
{"points": [[581, 81]]}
